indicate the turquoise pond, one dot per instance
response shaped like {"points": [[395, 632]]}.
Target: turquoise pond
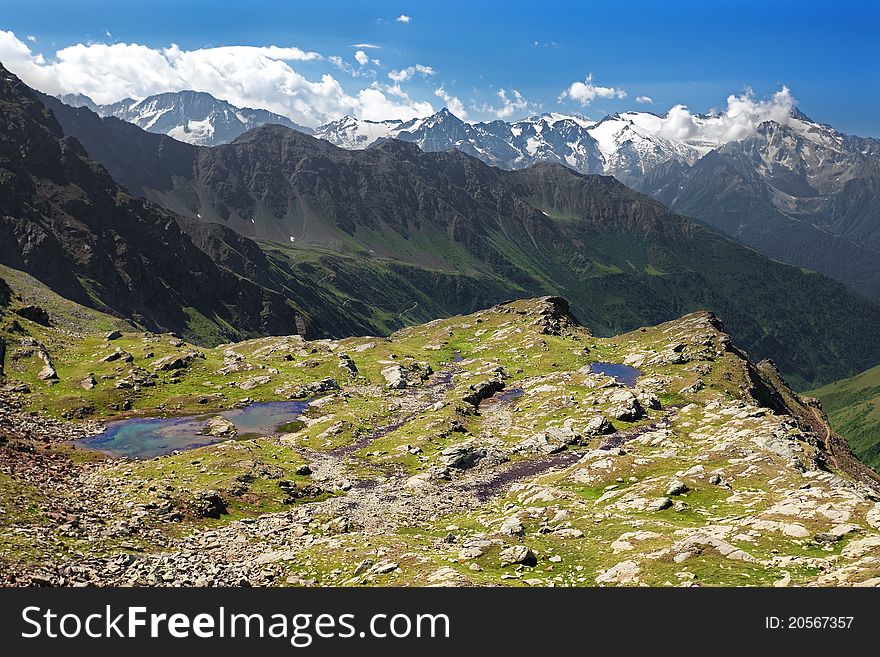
{"points": [[621, 373], [144, 438]]}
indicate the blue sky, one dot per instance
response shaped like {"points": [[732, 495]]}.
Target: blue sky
{"points": [[691, 53]]}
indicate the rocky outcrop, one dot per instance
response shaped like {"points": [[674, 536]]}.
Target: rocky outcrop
{"points": [[34, 314], [401, 376]]}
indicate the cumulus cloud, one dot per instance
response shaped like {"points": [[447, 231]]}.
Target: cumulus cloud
{"points": [[405, 74], [740, 119], [644, 100], [31, 38], [509, 105], [378, 107], [246, 76], [586, 92], [361, 57], [452, 102], [403, 18]]}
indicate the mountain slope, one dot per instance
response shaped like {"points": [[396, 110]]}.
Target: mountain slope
{"points": [[66, 222], [796, 190], [805, 198], [853, 407], [189, 116], [623, 259]]}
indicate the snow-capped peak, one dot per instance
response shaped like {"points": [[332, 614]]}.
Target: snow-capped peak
{"points": [[190, 116]]}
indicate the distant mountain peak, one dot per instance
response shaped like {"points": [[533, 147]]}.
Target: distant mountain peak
{"points": [[195, 117], [78, 100]]}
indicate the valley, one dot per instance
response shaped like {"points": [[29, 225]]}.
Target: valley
{"points": [[552, 351], [370, 240]]}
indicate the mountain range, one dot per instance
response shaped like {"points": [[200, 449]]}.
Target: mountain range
{"points": [[795, 189], [190, 116], [798, 191], [391, 235]]}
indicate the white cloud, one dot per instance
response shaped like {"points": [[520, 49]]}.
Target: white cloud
{"points": [[246, 76], [345, 67], [644, 100], [403, 18], [586, 92], [376, 106], [365, 45], [406, 73], [452, 102], [509, 105], [31, 38], [740, 119], [361, 57]]}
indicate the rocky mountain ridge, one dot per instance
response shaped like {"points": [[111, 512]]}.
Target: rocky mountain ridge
{"points": [[188, 116], [502, 459]]}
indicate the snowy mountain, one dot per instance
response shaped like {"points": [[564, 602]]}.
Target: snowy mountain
{"points": [[625, 145], [545, 138], [798, 191], [190, 116], [792, 188]]}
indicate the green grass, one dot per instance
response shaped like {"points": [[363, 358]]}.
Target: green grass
{"points": [[853, 407]]}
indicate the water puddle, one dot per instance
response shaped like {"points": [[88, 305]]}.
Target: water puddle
{"points": [[145, 438], [621, 373]]}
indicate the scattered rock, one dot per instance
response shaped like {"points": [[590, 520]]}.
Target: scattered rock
{"points": [[659, 504], [462, 457], [176, 361], [254, 382], [513, 526], [598, 425], [384, 567], [483, 390], [625, 406], [207, 504], [625, 572], [48, 373], [363, 567], [296, 492], [676, 487], [394, 377], [518, 554], [221, 427], [346, 363]]}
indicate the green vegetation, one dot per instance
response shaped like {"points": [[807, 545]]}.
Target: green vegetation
{"points": [[853, 407]]}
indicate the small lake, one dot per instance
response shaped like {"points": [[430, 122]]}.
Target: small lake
{"points": [[621, 373], [144, 438]]}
